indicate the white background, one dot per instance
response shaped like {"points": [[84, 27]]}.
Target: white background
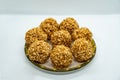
{"points": [[60, 7], [102, 17]]}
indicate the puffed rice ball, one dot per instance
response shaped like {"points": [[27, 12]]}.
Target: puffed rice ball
{"points": [[61, 56], [69, 24], [39, 51], [61, 37], [49, 25], [82, 50], [35, 34], [82, 32]]}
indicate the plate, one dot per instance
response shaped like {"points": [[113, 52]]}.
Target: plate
{"points": [[74, 65]]}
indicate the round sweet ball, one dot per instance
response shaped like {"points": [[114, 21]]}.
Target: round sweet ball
{"points": [[35, 34], [49, 25], [82, 32], [61, 37], [61, 56], [39, 51], [69, 24], [82, 50]]}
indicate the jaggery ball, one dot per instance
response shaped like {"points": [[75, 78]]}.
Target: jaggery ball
{"points": [[61, 56], [39, 51], [82, 32], [35, 34], [61, 37], [82, 50], [69, 24], [49, 25]]}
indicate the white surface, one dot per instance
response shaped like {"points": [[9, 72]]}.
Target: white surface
{"points": [[59, 7], [15, 66]]}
